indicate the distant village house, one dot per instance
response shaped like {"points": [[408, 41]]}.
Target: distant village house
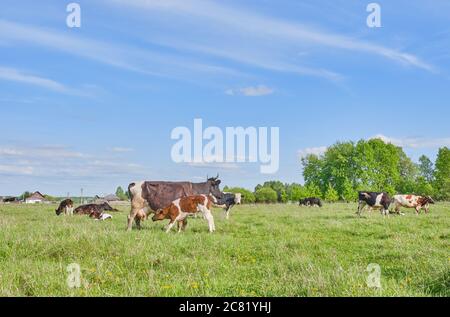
{"points": [[36, 198]]}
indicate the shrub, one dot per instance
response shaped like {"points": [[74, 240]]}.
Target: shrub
{"points": [[266, 195]]}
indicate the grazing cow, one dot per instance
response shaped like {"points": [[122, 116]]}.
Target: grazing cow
{"points": [[151, 196], [66, 207], [228, 201], [311, 202], [412, 201], [375, 201], [179, 210], [95, 211]]}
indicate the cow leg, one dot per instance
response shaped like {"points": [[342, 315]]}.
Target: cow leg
{"points": [[427, 208], [138, 223], [361, 205], [170, 226], [209, 217], [418, 210], [228, 211]]}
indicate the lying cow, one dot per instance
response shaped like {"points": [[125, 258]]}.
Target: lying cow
{"points": [[311, 202], [95, 211], [179, 210], [412, 201], [66, 207], [374, 200], [228, 201]]}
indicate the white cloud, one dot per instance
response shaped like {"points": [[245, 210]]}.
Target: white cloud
{"points": [[415, 143], [59, 161], [118, 55], [251, 91], [16, 170], [122, 149], [260, 30], [11, 74], [312, 150]]}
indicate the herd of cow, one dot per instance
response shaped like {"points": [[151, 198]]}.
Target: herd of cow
{"points": [[382, 201], [177, 201]]}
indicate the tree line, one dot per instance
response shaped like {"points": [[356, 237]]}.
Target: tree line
{"points": [[347, 167]]}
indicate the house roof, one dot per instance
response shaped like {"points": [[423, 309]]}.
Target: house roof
{"points": [[36, 196], [111, 197]]}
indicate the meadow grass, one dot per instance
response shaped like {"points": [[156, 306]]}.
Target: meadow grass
{"points": [[264, 250]]}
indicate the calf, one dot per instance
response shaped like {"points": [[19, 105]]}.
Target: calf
{"points": [[66, 207], [94, 210], [179, 210], [375, 201], [311, 202], [412, 201], [228, 201]]}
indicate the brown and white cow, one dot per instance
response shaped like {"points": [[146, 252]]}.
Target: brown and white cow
{"points": [[66, 207], [412, 201], [179, 210], [150, 196]]}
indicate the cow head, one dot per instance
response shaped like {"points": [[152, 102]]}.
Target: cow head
{"points": [[160, 214], [59, 211], [238, 198], [106, 206], [430, 200], [214, 189]]}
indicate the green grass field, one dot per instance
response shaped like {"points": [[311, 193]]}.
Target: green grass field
{"points": [[264, 250]]}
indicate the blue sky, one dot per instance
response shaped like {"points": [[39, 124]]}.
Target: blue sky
{"points": [[93, 107]]}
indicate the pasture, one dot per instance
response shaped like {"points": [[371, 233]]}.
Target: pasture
{"points": [[263, 250]]}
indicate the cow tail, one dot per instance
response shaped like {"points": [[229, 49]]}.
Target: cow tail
{"points": [[130, 193]]}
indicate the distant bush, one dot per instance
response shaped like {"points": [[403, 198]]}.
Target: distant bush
{"points": [[266, 195]]}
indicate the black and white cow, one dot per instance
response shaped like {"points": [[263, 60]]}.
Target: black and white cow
{"points": [[228, 201], [374, 200], [311, 202]]}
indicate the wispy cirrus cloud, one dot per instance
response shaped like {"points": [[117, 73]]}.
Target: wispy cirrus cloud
{"points": [[15, 75], [118, 55], [415, 143], [234, 24], [255, 91]]}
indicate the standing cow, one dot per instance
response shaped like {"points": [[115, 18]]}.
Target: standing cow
{"points": [[149, 196], [66, 207], [412, 201], [179, 210], [375, 201], [228, 201]]}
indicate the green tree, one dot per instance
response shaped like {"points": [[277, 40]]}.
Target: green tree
{"points": [[348, 192], [442, 174], [331, 195], [121, 193], [313, 190], [296, 192], [426, 168], [266, 195], [25, 195]]}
